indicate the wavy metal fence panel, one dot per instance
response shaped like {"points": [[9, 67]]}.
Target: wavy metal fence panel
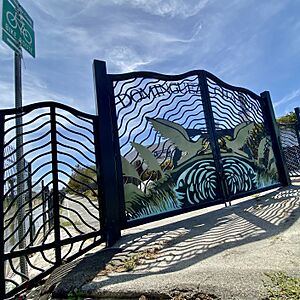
{"points": [[290, 140], [55, 216]]}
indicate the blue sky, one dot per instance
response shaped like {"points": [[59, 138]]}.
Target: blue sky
{"points": [[254, 44]]}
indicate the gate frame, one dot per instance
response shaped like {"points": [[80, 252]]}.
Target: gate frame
{"points": [[297, 125], [111, 157], [2, 182], [284, 177], [109, 163]]}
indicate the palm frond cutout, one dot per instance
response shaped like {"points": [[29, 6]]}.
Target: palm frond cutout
{"points": [[128, 169], [148, 156]]}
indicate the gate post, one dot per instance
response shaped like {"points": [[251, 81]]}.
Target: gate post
{"points": [[108, 159], [211, 129], [275, 137], [297, 112], [2, 260]]}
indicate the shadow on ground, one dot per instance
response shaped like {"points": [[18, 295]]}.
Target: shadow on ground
{"points": [[184, 242]]}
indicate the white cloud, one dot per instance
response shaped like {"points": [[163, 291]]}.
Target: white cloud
{"points": [[64, 9], [171, 8], [5, 51], [33, 90], [125, 59], [289, 97]]}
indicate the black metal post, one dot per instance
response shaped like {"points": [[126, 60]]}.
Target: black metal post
{"points": [[29, 194], [272, 126], [116, 143], [2, 183], [211, 128], [44, 197], [20, 162], [297, 112], [111, 193], [55, 188]]}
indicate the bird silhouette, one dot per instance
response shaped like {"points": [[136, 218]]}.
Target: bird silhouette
{"points": [[178, 135], [240, 136]]}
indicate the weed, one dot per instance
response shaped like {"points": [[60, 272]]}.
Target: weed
{"points": [[77, 294], [280, 286], [67, 223]]}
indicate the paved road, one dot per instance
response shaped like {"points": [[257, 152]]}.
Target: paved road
{"points": [[82, 212]]}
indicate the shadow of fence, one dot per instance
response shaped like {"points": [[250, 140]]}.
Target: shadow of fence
{"points": [[187, 241]]}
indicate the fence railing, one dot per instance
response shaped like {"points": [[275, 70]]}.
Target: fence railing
{"points": [[57, 216], [290, 140]]}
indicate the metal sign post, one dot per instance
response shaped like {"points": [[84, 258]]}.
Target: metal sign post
{"points": [[20, 162], [18, 33]]}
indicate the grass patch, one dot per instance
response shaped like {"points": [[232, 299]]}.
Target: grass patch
{"points": [[77, 294], [66, 223], [130, 262], [280, 286]]}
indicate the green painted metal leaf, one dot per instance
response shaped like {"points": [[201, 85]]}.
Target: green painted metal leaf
{"points": [[261, 149], [128, 169], [148, 156], [132, 194]]}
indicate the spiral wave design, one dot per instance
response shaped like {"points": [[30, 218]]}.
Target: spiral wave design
{"points": [[239, 175], [197, 183]]}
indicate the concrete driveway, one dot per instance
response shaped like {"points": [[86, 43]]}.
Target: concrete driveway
{"points": [[221, 251]]}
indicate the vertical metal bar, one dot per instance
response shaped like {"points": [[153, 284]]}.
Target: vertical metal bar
{"points": [[111, 192], [273, 129], [297, 112], [44, 197], [100, 186], [29, 194], [55, 189], [116, 143], [2, 183], [297, 127], [20, 162], [211, 128]]}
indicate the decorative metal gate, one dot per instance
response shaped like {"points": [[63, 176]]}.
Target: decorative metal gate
{"points": [[47, 221], [290, 140], [159, 145], [188, 141]]}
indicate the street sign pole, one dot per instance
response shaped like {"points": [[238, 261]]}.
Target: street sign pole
{"points": [[20, 162], [18, 33]]}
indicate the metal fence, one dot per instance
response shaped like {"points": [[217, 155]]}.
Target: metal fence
{"points": [[57, 215], [290, 140], [159, 145]]}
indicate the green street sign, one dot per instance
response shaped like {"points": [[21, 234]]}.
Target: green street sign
{"points": [[17, 27]]}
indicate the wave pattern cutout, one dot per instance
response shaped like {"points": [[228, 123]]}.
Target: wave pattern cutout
{"points": [[140, 99], [50, 191], [291, 148]]}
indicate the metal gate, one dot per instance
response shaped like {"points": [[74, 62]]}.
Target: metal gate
{"points": [[290, 140], [57, 216], [187, 141], [159, 145]]}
